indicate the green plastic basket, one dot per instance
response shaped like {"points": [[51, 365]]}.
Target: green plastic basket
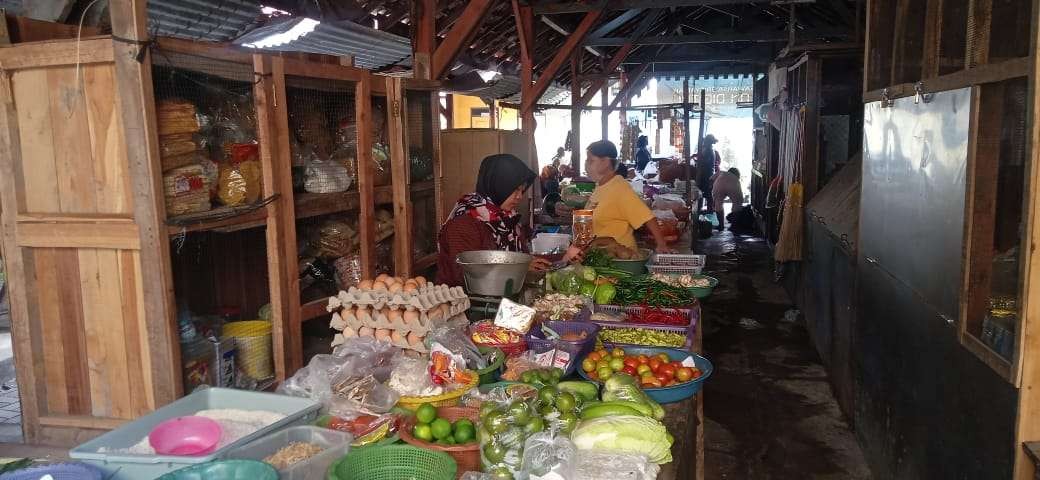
{"points": [[393, 462], [703, 292], [225, 470], [491, 373]]}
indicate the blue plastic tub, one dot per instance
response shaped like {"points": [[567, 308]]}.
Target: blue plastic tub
{"points": [[57, 471], [537, 342], [124, 466], [225, 470], [675, 393]]}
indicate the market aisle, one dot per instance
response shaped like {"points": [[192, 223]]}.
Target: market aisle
{"points": [[770, 411]]}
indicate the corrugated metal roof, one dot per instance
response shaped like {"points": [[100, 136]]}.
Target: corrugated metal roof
{"points": [[371, 48], [210, 20]]}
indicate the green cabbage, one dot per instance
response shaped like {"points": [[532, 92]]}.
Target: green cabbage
{"points": [[625, 434]]}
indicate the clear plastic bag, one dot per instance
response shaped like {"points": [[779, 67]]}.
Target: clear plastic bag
{"points": [[336, 237], [411, 377], [504, 432], [348, 271], [239, 184], [326, 177], [546, 454], [350, 382], [457, 340], [593, 465]]}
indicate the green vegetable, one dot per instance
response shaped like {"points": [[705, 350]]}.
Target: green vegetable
{"points": [[597, 257], [587, 390], [643, 290], [624, 387], [639, 408], [625, 433], [608, 410], [588, 289], [604, 294], [571, 284], [589, 274], [549, 278], [640, 336]]}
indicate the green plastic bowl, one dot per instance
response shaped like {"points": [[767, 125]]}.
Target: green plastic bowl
{"points": [[635, 267], [393, 462], [492, 372], [702, 292], [225, 470]]}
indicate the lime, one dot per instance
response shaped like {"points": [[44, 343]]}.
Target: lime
{"points": [[496, 422], [556, 374], [545, 376], [426, 413], [565, 402], [423, 432], [494, 452], [547, 395], [519, 412], [464, 432], [449, 440], [462, 423], [534, 425], [501, 473], [486, 408], [528, 377], [441, 429]]}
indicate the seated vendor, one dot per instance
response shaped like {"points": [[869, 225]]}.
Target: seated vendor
{"points": [[617, 211], [487, 219]]}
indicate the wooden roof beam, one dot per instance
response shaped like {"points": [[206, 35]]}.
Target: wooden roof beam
{"points": [[563, 31], [459, 36], [620, 56], [424, 40], [634, 84], [616, 23], [586, 6], [562, 55], [776, 36]]}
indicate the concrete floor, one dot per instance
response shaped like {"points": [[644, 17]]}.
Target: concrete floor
{"points": [[769, 410]]}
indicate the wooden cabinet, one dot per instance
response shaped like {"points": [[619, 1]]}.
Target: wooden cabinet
{"points": [[94, 266]]}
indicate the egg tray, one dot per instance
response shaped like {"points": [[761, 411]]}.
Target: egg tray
{"points": [[424, 299], [348, 331]]}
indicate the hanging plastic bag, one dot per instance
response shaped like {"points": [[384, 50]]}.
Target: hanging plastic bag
{"points": [[240, 181], [326, 177]]}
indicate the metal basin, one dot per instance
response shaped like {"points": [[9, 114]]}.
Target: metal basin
{"points": [[494, 272]]}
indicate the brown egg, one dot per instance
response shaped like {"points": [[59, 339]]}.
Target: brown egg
{"points": [[365, 332], [394, 315], [414, 339], [382, 277], [349, 333], [378, 286], [410, 288], [361, 312], [420, 280], [394, 288], [382, 334], [365, 285], [396, 337]]}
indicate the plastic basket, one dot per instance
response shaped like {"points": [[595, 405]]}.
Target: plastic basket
{"points": [[677, 260], [335, 445], [394, 462], [698, 292], [676, 269], [689, 331], [57, 471], [674, 393], [467, 456], [449, 399], [125, 466], [225, 470], [254, 346], [537, 342], [491, 373]]}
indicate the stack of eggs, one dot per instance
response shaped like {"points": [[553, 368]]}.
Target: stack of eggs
{"points": [[399, 311]]}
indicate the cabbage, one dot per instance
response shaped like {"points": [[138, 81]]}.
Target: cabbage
{"points": [[625, 434]]}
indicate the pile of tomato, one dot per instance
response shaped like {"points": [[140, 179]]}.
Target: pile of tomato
{"points": [[652, 371]]}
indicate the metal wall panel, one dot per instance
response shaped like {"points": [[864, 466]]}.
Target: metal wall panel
{"points": [[912, 200]]}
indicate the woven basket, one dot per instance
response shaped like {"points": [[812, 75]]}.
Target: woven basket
{"points": [[466, 456], [449, 399]]}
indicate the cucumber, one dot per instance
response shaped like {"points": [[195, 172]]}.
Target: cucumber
{"points": [[643, 409], [588, 390], [602, 410]]}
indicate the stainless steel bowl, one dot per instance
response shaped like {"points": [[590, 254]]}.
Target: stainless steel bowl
{"points": [[494, 272]]}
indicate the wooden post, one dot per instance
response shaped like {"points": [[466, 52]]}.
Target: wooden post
{"points": [[282, 270], [686, 137], [449, 109], [576, 146], [605, 117], [401, 183], [811, 142], [492, 114], [424, 20], [980, 19], [700, 141], [525, 34], [366, 185], [932, 39], [134, 81]]}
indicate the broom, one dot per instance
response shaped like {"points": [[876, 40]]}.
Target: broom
{"points": [[792, 229]]}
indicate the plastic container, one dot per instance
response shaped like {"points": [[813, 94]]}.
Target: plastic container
{"points": [[676, 263], [550, 243], [335, 443], [394, 462], [189, 435], [467, 456], [581, 226], [125, 466], [253, 338], [57, 471], [225, 470], [537, 342], [704, 292], [449, 399], [689, 330], [675, 393], [492, 372]]}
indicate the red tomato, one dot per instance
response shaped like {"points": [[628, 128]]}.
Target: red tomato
{"points": [[651, 382], [670, 383], [631, 362], [667, 370], [684, 374], [629, 370], [677, 364], [696, 374], [664, 357], [593, 375], [662, 378], [643, 359], [655, 363]]}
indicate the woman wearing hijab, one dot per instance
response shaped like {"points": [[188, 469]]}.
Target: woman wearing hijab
{"points": [[487, 219]]}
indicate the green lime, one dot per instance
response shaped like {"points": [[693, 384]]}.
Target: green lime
{"points": [[565, 402], [494, 452], [534, 425], [528, 377], [486, 408], [423, 432], [462, 423], [547, 395], [568, 420], [496, 422], [545, 376], [441, 429], [426, 413], [501, 473], [464, 433], [556, 374], [450, 440], [519, 412]]}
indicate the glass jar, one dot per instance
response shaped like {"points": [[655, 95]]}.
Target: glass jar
{"points": [[581, 227]]}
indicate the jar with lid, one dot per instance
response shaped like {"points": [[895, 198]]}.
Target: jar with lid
{"points": [[581, 227]]}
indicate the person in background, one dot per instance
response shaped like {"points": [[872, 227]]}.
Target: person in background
{"points": [[558, 158], [617, 211], [707, 165], [727, 186], [549, 180], [642, 153], [486, 219]]}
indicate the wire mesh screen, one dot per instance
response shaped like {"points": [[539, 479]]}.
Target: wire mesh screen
{"points": [[323, 133], [380, 142], [206, 120], [420, 156]]}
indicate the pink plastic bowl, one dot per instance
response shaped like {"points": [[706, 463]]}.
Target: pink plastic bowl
{"points": [[185, 436]]}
